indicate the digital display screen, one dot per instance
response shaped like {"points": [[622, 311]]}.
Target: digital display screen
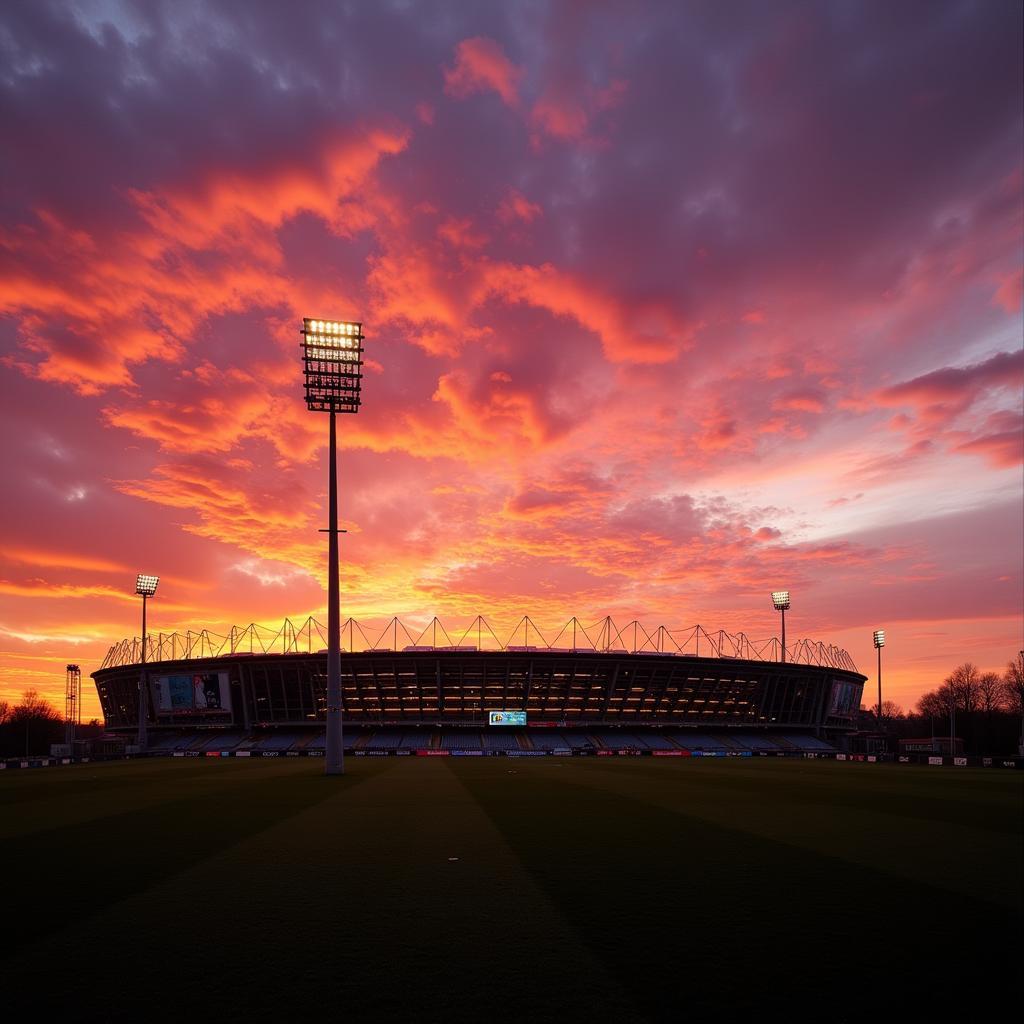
{"points": [[845, 699], [506, 718], [200, 693]]}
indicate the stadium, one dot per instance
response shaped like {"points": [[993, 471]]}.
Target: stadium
{"points": [[591, 690]]}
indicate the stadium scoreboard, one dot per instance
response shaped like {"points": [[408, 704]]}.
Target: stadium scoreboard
{"points": [[506, 718]]}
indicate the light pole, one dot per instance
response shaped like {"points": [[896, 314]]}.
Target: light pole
{"points": [[332, 364], [879, 638], [780, 598], [145, 587]]}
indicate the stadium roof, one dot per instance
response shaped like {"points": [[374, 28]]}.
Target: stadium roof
{"points": [[603, 637]]}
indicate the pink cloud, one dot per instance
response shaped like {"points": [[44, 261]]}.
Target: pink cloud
{"points": [[480, 64]]}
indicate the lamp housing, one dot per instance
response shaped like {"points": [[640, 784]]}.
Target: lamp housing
{"points": [[332, 364], [780, 598], [146, 585], [879, 637]]}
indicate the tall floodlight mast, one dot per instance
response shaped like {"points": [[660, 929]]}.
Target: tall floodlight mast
{"points": [[145, 587], [780, 598], [879, 638], [332, 364]]}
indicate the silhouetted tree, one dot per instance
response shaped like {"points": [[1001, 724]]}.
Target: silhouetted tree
{"points": [[1013, 686], [31, 726], [1013, 693], [964, 687]]}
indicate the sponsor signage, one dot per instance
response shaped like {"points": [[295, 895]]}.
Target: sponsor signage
{"points": [[432, 753], [666, 753], [467, 753], [935, 760], [537, 753], [960, 762], [506, 718], [195, 694]]}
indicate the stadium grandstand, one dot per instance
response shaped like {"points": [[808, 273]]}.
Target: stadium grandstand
{"points": [[591, 690]]}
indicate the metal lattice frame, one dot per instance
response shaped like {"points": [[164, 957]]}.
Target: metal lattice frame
{"points": [[603, 637]]}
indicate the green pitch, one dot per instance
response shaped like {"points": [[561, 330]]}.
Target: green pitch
{"points": [[508, 889]]}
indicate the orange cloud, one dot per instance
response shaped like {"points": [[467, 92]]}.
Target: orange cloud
{"points": [[515, 206], [649, 332], [480, 64], [560, 116]]}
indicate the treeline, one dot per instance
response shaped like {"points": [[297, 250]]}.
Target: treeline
{"points": [[28, 728], [984, 709]]}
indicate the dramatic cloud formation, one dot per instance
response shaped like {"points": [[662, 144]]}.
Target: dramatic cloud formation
{"points": [[666, 306]]}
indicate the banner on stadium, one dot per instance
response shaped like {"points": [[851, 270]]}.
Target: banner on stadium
{"points": [[935, 760], [506, 718], [201, 693]]}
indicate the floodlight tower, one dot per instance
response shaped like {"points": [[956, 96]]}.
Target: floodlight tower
{"points": [[72, 702], [332, 364], [780, 598], [879, 638], [145, 587]]}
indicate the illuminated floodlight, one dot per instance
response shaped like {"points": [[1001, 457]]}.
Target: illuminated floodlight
{"points": [[146, 585], [780, 598], [879, 637], [332, 363]]}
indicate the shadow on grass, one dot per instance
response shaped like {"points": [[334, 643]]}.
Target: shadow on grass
{"points": [[63, 874], [696, 919]]}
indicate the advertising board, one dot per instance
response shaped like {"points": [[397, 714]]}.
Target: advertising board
{"points": [[506, 718], [201, 693]]}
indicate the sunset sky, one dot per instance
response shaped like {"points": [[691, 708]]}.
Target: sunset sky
{"points": [[667, 305]]}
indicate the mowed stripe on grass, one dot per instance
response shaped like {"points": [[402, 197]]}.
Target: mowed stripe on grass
{"points": [[631, 889], [669, 874], [351, 902]]}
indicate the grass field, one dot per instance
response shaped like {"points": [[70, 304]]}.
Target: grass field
{"points": [[500, 889]]}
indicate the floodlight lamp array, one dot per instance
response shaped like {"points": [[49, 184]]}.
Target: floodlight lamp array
{"points": [[146, 585], [332, 360], [879, 637], [780, 598]]}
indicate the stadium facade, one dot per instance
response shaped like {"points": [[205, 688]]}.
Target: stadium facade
{"points": [[447, 696]]}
